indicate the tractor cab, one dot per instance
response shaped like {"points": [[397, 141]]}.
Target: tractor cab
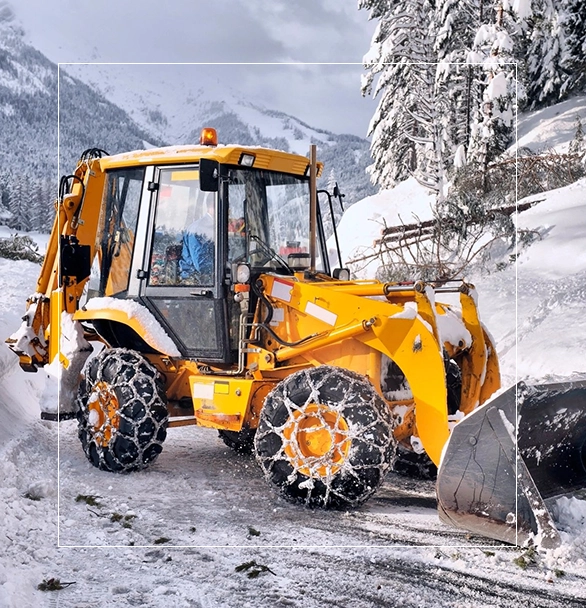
{"points": [[184, 238]]}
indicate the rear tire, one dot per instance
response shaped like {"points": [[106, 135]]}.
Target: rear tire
{"points": [[241, 442], [411, 464], [122, 413], [325, 438]]}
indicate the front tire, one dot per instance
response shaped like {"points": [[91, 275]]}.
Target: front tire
{"points": [[122, 413], [325, 438]]}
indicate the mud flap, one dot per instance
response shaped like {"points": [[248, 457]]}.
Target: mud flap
{"points": [[489, 487]]}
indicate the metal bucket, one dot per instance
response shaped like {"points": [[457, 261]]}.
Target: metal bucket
{"points": [[505, 458]]}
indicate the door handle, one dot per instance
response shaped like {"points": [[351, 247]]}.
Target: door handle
{"points": [[202, 293]]}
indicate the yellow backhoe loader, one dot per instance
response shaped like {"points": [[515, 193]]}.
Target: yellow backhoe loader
{"points": [[199, 280]]}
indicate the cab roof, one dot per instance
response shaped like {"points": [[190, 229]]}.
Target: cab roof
{"points": [[264, 158]]}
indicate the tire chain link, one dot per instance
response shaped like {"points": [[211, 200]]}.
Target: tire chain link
{"points": [[356, 431], [145, 377]]}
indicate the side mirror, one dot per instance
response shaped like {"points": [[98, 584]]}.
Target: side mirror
{"points": [[209, 175]]}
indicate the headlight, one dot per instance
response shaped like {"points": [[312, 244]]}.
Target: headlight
{"points": [[242, 273]]}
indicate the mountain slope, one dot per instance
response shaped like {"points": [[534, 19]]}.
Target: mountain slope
{"points": [[29, 94], [175, 106]]}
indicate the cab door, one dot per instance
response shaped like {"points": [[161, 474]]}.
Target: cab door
{"points": [[181, 279]]}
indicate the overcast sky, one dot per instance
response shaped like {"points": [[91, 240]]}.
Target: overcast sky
{"points": [[214, 31]]}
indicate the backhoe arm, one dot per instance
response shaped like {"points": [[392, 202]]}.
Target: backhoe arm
{"points": [[65, 269]]}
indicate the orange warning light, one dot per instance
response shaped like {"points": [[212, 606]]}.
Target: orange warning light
{"points": [[208, 137]]}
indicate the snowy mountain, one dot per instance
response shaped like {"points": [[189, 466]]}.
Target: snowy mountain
{"points": [[174, 107], [41, 109], [28, 110], [31, 134]]}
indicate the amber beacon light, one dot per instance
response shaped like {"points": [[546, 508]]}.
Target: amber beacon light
{"points": [[208, 137]]}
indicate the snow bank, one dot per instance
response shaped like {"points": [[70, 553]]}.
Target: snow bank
{"points": [[551, 128], [560, 223], [20, 393], [361, 224], [535, 309]]}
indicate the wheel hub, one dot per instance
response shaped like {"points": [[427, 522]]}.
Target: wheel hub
{"points": [[103, 413], [316, 440]]}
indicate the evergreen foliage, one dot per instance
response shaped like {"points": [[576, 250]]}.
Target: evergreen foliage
{"points": [[492, 128], [489, 57], [458, 85], [545, 53], [574, 60], [28, 123], [401, 61]]}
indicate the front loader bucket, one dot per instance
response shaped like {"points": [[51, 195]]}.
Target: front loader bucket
{"points": [[494, 486]]}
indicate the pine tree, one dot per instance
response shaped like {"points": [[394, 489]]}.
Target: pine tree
{"points": [[38, 206], [401, 61], [49, 196], [4, 198], [573, 62], [547, 48], [331, 181], [492, 127], [577, 145], [457, 84], [19, 204]]}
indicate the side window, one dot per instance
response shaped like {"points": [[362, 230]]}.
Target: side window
{"points": [[119, 219], [236, 223], [184, 241]]}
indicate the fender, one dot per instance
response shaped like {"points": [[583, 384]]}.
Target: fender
{"points": [[134, 315]]}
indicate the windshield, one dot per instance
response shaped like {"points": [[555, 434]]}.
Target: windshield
{"points": [[268, 217]]}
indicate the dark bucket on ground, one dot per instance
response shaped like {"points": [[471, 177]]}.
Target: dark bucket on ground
{"points": [[506, 458]]}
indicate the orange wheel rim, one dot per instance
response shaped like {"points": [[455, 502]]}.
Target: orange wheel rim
{"points": [[104, 418], [316, 440]]}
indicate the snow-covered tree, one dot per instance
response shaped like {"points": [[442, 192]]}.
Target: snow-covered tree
{"points": [[556, 52], [573, 61], [492, 127], [545, 74], [400, 67], [457, 84], [578, 145], [19, 204]]}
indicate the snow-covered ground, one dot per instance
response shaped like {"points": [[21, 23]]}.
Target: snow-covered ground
{"points": [[209, 503], [174, 535], [551, 128]]}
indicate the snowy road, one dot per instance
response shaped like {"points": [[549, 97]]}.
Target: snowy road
{"points": [[200, 493]]}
